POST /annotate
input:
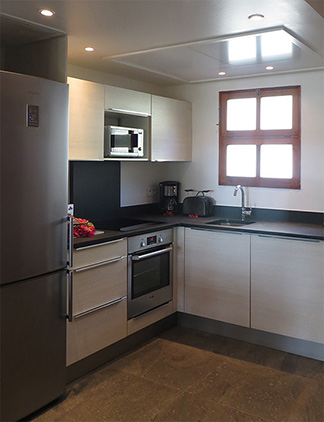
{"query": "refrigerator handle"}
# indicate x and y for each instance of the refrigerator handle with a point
(70, 296)
(70, 241)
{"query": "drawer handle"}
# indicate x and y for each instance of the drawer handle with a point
(100, 264)
(299, 239)
(100, 244)
(98, 308)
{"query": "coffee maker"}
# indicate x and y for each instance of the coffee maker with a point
(169, 197)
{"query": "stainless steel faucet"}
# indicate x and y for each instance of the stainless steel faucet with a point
(245, 210)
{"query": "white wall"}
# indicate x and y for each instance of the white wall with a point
(202, 172)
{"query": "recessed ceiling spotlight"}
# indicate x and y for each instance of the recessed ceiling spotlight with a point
(46, 12)
(269, 67)
(221, 73)
(256, 17)
(89, 49)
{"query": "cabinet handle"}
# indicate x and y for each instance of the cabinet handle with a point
(136, 113)
(217, 231)
(101, 244)
(298, 239)
(98, 308)
(70, 296)
(70, 241)
(100, 264)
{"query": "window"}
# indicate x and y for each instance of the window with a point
(259, 139)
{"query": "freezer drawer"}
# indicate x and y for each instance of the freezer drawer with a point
(33, 344)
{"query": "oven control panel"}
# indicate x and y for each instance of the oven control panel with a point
(149, 240)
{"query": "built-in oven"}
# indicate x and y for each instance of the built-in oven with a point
(149, 283)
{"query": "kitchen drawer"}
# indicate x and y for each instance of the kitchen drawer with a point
(98, 284)
(142, 321)
(94, 331)
(97, 253)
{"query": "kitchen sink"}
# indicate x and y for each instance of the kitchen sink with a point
(230, 222)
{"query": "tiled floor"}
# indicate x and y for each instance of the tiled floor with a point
(187, 375)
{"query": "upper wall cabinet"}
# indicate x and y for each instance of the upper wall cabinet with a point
(126, 100)
(86, 120)
(171, 129)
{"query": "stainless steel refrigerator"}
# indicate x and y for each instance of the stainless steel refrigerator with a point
(34, 166)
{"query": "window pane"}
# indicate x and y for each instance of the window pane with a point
(241, 160)
(241, 114)
(276, 161)
(276, 112)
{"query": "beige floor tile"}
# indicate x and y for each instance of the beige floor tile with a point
(120, 397)
(193, 407)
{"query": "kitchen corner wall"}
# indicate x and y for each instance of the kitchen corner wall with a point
(202, 172)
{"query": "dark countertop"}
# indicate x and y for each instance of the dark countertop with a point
(288, 229)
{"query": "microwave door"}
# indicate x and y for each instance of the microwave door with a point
(123, 142)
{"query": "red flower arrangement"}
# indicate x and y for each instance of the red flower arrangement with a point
(83, 228)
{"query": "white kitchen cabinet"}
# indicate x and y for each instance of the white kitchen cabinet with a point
(127, 100)
(86, 120)
(97, 299)
(171, 135)
(217, 275)
(287, 286)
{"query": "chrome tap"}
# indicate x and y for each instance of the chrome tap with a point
(245, 210)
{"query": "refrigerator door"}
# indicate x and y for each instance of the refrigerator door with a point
(33, 329)
(34, 174)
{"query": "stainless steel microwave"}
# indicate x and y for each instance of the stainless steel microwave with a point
(124, 142)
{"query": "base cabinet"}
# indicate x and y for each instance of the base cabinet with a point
(217, 275)
(287, 287)
(97, 299)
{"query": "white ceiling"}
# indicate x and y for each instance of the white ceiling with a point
(175, 41)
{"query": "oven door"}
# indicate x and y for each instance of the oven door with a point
(149, 280)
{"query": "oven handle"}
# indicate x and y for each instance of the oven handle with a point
(148, 255)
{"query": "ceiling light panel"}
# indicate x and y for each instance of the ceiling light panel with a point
(236, 56)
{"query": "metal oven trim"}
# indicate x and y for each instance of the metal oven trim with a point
(149, 301)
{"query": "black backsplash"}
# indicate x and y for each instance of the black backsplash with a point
(95, 189)
(95, 193)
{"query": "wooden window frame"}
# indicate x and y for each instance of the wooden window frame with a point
(260, 137)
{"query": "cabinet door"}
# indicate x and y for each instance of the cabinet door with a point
(86, 120)
(126, 100)
(171, 129)
(217, 275)
(287, 287)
